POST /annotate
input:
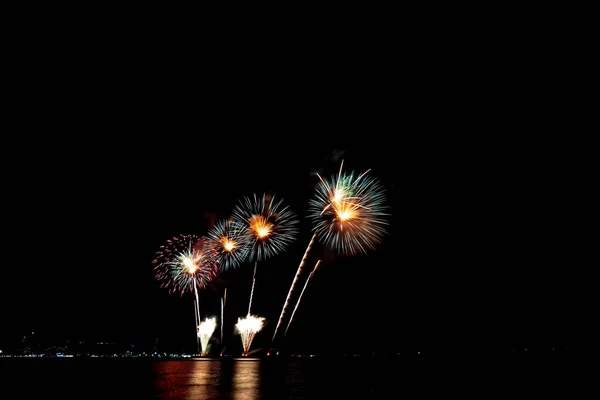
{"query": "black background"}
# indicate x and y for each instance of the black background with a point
(110, 151)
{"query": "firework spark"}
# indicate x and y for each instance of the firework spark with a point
(185, 263)
(231, 242)
(349, 212)
(293, 285)
(223, 300)
(300, 298)
(248, 327)
(205, 332)
(271, 226)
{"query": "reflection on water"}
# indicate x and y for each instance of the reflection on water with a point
(286, 378)
(238, 379)
(246, 380)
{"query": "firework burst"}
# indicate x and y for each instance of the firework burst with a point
(231, 242)
(271, 226)
(205, 332)
(185, 263)
(348, 212)
(248, 327)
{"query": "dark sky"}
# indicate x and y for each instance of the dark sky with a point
(105, 164)
(475, 252)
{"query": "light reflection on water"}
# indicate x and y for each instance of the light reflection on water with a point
(239, 379)
(246, 380)
(285, 378)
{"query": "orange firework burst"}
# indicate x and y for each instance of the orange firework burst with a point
(349, 215)
(231, 243)
(271, 226)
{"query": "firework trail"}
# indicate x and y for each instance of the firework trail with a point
(300, 298)
(348, 212)
(223, 299)
(248, 327)
(252, 290)
(287, 299)
(186, 263)
(197, 318)
(205, 331)
(271, 226)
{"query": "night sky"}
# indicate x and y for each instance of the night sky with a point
(472, 254)
(478, 251)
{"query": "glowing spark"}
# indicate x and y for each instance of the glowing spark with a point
(228, 244)
(260, 226)
(248, 328)
(205, 332)
(188, 263)
(338, 195)
(345, 210)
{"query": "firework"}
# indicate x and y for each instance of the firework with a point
(186, 263)
(231, 243)
(348, 212)
(248, 327)
(293, 285)
(300, 298)
(205, 332)
(271, 226)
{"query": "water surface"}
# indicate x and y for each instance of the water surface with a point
(284, 378)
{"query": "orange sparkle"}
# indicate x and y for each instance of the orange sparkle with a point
(345, 210)
(228, 244)
(260, 226)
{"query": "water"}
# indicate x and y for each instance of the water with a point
(283, 378)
